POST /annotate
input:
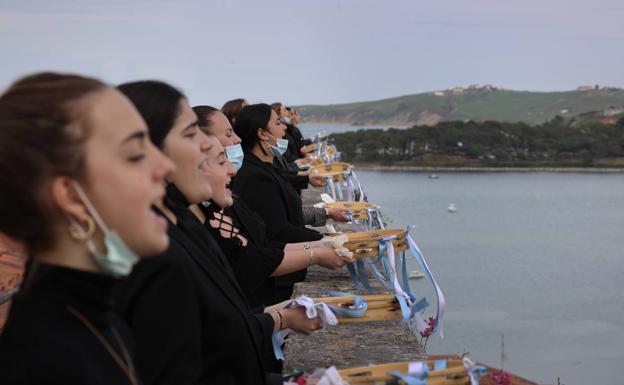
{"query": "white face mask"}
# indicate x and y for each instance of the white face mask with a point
(282, 145)
(235, 155)
(118, 259)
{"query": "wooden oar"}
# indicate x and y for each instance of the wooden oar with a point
(337, 170)
(359, 210)
(366, 243)
(382, 307)
(350, 299)
(454, 374)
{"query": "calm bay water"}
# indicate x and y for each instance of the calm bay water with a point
(534, 256)
(311, 129)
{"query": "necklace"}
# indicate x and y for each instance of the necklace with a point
(126, 363)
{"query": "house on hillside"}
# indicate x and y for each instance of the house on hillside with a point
(612, 110)
(584, 88)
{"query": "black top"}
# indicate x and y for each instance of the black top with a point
(45, 343)
(254, 263)
(191, 321)
(290, 172)
(295, 142)
(264, 190)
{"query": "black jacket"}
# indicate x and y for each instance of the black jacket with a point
(44, 343)
(264, 190)
(262, 187)
(295, 142)
(290, 173)
(191, 321)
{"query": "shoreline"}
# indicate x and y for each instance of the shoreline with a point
(597, 170)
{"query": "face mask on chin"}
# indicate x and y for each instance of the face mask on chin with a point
(118, 259)
(282, 145)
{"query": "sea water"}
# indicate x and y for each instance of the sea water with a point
(538, 257)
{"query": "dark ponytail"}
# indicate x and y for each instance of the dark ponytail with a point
(248, 120)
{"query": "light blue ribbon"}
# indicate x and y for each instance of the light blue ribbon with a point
(475, 372)
(439, 364)
(409, 306)
(362, 197)
(438, 291)
(277, 346)
(360, 306)
(412, 378)
(409, 380)
(353, 275)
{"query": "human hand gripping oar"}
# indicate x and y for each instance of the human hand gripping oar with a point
(301, 308)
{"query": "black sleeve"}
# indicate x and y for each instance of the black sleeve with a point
(167, 326)
(292, 152)
(265, 324)
(253, 265)
(276, 244)
(263, 195)
(299, 182)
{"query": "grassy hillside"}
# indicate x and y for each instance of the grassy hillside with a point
(479, 105)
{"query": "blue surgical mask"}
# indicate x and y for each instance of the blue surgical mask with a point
(282, 145)
(118, 259)
(235, 155)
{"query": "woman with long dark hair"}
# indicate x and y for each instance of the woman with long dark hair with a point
(265, 189)
(78, 177)
(191, 319)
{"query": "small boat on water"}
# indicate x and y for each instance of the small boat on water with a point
(434, 176)
(415, 274)
(452, 208)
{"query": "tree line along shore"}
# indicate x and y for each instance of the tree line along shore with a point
(489, 145)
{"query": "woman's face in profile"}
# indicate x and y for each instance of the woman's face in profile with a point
(124, 172)
(275, 128)
(187, 146)
(222, 129)
(220, 172)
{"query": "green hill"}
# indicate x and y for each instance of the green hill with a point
(479, 104)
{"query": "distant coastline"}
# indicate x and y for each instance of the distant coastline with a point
(371, 167)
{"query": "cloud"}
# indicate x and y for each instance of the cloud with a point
(307, 52)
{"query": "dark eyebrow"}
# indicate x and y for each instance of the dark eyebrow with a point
(138, 134)
(195, 123)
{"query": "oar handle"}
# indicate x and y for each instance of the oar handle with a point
(350, 299)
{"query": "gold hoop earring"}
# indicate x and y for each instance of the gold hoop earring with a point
(81, 234)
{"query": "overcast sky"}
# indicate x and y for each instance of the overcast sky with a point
(318, 51)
